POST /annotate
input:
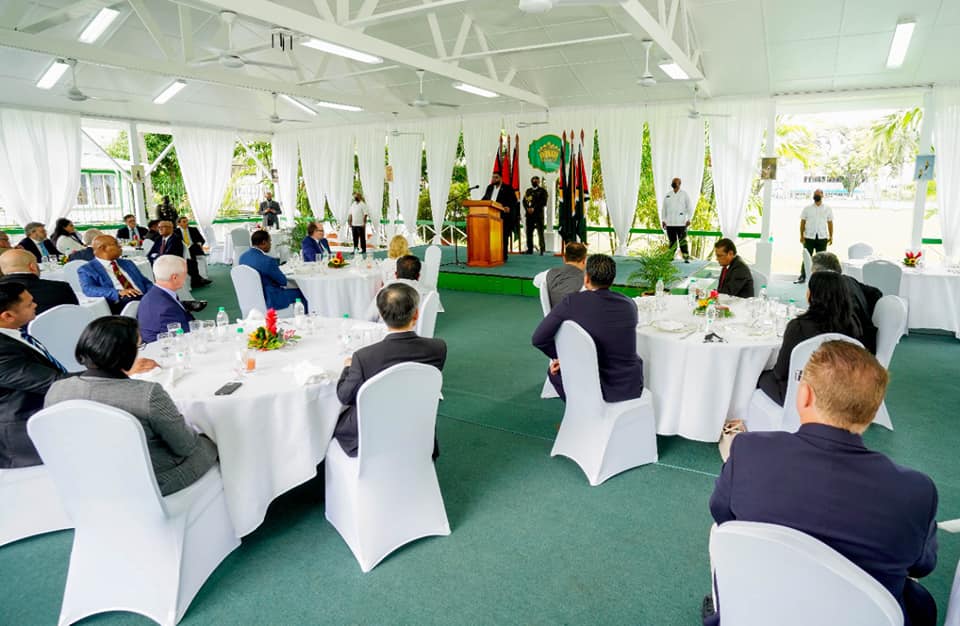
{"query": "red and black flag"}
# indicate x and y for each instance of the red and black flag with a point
(498, 160)
(505, 172)
(515, 168)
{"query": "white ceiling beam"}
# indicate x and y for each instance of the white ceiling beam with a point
(297, 66)
(62, 15)
(401, 13)
(461, 42)
(311, 26)
(367, 9)
(650, 27)
(120, 168)
(159, 158)
(482, 40)
(687, 44)
(186, 32)
(333, 77)
(343, 11)
(672, 19)
(14, 12)
(437, 35)
(323, 9)
(662, 12)
(148, 21)
(539, 46)
(510, 75)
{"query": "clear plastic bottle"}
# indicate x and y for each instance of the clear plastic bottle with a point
(791, 309)
(223, 322)
(692, 292)
(241, 338)
(299, 313)
(763, 293)
(659, 290)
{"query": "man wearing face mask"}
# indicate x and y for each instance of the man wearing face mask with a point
(534, 202)
(816, 228)
(676, 217)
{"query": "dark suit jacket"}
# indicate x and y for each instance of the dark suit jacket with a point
(81, 255)
(537, 202)
(125, 233)
(824, 482)
(310, 248)
(96, 283)
(367, 362)
(25, 377)
(864, 299)
(738, 280)
(610, 319)
(196, 239)
(157, 309)
(561, 281)
(46, 293)
(272, 205)
(271, 278)
(173, 245)
(508, 198)
(29, 245)
(167, 213)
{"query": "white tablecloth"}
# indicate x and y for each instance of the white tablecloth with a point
(272, 432)
(697, 386)
(335, 292)
(932, 294)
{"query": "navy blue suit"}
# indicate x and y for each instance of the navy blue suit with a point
(610, 319)
(271, 278)
(172, 246)
(96, 283)
(824, 482)
(310, 248)
(157, 309)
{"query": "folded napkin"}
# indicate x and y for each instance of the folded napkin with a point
(306, 373)
(166, 376)
(254, 316)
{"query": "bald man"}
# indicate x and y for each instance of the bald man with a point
(20, 266)
(108, 276)
(4, 241)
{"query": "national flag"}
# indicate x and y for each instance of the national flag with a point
(498, 161)
(507, 175)
(584, 183)
(515, 168)
(573, 178)
(562, 196)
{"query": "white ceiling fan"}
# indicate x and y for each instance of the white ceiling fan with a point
(529, 123)
(647, 80)
(276, 119)
(542, 6)
(422, 102)
(694, 113)
(234, 59)
(74, 93)
(395, 132)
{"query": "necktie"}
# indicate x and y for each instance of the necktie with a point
(186, 236)
(163, 245)
(33, 341)
(723, 276)
(124, 283)
(43, 249)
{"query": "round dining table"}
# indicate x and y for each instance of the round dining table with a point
(337, 292)
(697, 385)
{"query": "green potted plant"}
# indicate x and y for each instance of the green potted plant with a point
(656, 262)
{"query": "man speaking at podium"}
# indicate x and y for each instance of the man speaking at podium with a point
(504, 194)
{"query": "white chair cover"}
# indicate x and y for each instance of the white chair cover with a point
(249, 290)
(148, 246)
(953, 606)
(388, 495)
(807, 263)
(860, 250)
(764, 413)
(29, 504)
(890, 318)
(70, 275)
(431, 268)
(133, 549)
(883, 275)
(130, 309)
(759, 280)
(427, 320)
(540, 282)
(603, 438)
(240, 237)
(767, 574)
(58, 329)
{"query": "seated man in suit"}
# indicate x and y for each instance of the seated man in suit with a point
(108, 276)
(193, 242)
(565, 279)
(36, 242)
(398, 306)
(161, 306)
(863, 297)
(314, 244)
(735, 277)
(153, 232)
(167, 242)
(823, 481)
(274, 283)
(610, 318)
(20, 266)
(132, 232)
(408, 273)
(86, 254)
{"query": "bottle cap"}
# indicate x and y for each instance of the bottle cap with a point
(298, 301)
(220, 308)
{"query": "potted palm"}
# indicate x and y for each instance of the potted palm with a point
(656, 263)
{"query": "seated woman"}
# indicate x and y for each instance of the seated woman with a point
(829, 311)
(65, 237)
(398, 248)
(108, 349)
(314, 244)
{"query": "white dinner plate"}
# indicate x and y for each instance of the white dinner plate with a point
(670, 326)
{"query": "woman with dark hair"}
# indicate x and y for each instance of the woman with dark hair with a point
(108, 349)
(66, 238)
(830, 311)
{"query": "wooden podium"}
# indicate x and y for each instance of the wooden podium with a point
(484, 233)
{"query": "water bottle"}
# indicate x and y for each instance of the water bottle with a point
(710, 315)
(791, 309)
(299, 313)
(692, 292)
(223, 322)
(659, 291)
(241, 338)
(763, 293)
(659, 288)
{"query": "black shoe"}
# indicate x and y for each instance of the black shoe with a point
(200, 282)
(194, 306)
(799, 281)
(686, 260)
(541, 253)
(706, 609)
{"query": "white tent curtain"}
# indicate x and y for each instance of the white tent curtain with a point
(371, 144)
(206, 159)
(39, 165)
(620, 133)
(406, 152)
(677, 148)
(481, 134)
(735, 153)
(440, 138)
(327, 159)
(946, 141)
(286, 158)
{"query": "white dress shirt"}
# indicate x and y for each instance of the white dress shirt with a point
(816, 218)
(107, 265)
(14, 333)
(676, 208)
(67, 244)
(357, 211)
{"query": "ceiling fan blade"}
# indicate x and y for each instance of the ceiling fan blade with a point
(444, 104)
(251, 50)
(295, 121)
(107, 99)
(276, 66)
(205, 60)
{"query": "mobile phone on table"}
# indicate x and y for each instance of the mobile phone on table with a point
(227, 389)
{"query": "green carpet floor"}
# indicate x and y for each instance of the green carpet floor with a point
(531, 542)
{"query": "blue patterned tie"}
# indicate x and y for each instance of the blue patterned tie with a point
(33, 341)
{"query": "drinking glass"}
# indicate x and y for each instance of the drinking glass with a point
(174, 328)
(166, 342)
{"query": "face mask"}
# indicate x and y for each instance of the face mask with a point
(675, 187)
(535, 185)
(817, 197)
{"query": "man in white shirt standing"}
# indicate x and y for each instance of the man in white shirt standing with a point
(677, 214)
(816, 228)
(357, 219)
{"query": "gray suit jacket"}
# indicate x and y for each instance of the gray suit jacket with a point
(179, 455)
(562, 281)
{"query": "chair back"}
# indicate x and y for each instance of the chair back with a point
(759, 280)
(249, 289)
(427, 319)
(540, 282)
(240, 238)
(798, 360)
(431, 268)
(71, 276)
(883, 275)
(890, 318)
(807, 263)
(394, 434)
(58, 329)
(769, 574)
(578, 362)
(97, 456)
(860, 250)
(130, 309)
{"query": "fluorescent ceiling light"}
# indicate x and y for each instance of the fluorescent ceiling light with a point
(339, 107)
(350, 53)
(900, 43)
(172, 90)
(673, 70)
(298, 104)
(477, 91)
(99, 24)
(53, 74)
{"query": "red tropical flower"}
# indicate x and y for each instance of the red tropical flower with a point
(271, 321)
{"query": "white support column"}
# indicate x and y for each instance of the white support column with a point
(920, 199)
(138, 204)
(765, 245)
(148, 170)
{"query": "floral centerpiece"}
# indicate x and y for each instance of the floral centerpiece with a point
(337, 261)
(712, 298)
(911, 259)
(269, 337)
